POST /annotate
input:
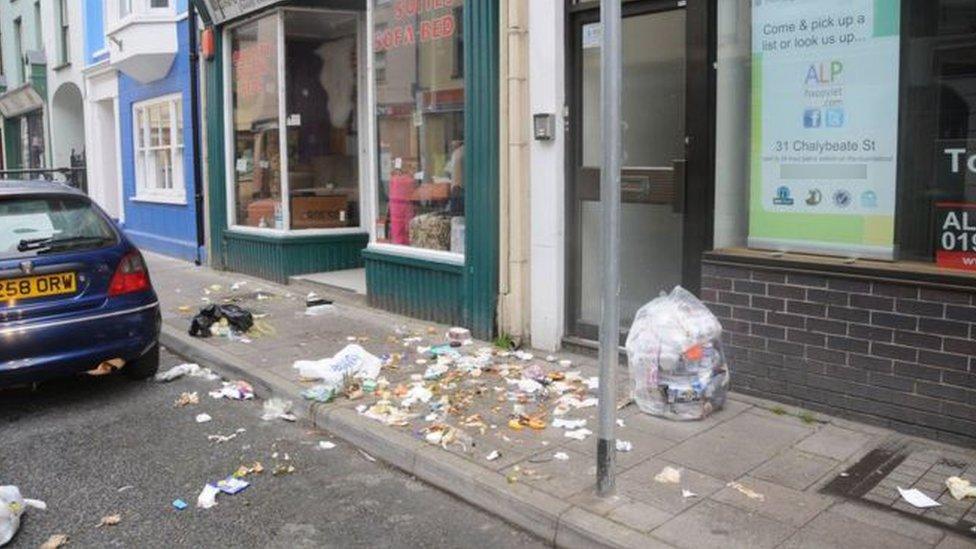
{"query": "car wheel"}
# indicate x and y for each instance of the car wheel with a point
(145, 366)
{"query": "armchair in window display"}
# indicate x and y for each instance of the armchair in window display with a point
(677, 367)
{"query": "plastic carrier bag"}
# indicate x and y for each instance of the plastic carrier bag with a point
(677, 368)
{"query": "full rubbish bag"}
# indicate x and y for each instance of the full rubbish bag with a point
(12, 505)
(674, 352)
(239, 319)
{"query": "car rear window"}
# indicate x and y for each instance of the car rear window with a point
(32, 226)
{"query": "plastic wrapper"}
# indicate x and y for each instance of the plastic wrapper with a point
(674, 351)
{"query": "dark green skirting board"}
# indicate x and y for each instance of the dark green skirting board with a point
(429, 290)
(279, 257)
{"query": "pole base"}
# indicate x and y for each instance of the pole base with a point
(605, 458)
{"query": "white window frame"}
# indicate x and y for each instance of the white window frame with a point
(403, 250)
(150, 191)
(365, 200)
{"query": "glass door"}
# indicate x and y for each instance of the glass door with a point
(653, 178)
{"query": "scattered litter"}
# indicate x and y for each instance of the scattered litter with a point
(213, 317)
(125, 488)
(107, 367)
(179, 504)
(351, 361)
(323, 393)
(459, 335)
(208, 497)
(620, 423)
(203, 418)
(688, 494)
(578, 434)
(283, 469)
(550, 358)
(495, 454)
(277, 408)
(232, 485)
(192, 370)
(668, 475)
(565, 363)
(624, 445)
(569, 424)
(747, 492)
(367, 456)
(561, 456)
(12, 506)
(315, 306)
(109, 520)
(187, 399)
(960, 488)
(326, 445)
(218, 438)
(845, 474)
(55, 541)
(234, 390)
(245, 470)
(237, 285)
(917, 498)
(435, 371)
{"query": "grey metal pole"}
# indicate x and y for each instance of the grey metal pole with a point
(610, 69)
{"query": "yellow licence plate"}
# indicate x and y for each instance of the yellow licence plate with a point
(14, 289)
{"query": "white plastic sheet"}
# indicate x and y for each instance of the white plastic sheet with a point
(351, 361)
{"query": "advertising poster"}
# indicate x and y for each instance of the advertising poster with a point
(824, 126)
(955, 246)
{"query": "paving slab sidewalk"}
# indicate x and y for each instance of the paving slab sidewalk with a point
(755, 467)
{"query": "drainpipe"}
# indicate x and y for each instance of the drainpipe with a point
(195, 121)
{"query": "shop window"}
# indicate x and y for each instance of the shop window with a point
(256, 166)
(158, 149)
(307, 178)
(321, 117)
(420, 124)
(862, 120)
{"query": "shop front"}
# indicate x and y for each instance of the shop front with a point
(807, 167)
(343, 144)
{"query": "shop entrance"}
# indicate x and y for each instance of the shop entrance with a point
(653, 181)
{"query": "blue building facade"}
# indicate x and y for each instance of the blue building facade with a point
(140, 49)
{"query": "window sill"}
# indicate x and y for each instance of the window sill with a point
(64, 65)
(285, 233)
(425, 254)
(175, 200)
(903, 271)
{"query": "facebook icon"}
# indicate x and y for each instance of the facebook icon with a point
(811, 118)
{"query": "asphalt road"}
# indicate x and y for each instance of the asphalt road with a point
(92, 447)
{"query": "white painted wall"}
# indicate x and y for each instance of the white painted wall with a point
(547, 85)
(101, 138)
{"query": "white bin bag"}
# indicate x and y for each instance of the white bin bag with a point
(677, 368)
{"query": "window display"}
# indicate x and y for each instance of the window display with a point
(254, 105)
(310, 178)
(417, 50)
(860, 119)
(323, 137)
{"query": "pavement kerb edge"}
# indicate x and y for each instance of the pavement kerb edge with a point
(546, 516)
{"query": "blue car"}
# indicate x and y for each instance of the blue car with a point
(75, 294)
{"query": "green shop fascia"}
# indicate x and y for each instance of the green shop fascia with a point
(358, 133)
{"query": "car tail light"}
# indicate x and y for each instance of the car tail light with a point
(130, 276)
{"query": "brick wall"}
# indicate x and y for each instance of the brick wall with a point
(894, 354)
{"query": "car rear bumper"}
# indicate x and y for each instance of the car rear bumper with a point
(45, 349)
